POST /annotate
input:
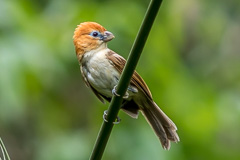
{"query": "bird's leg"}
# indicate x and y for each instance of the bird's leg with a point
(105, 116)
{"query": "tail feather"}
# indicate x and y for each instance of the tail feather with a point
(163, 126)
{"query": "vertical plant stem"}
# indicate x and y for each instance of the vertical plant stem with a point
(125, 78)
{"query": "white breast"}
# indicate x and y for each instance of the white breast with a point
(99, 72)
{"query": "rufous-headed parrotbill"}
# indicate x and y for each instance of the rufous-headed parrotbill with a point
(101, 69)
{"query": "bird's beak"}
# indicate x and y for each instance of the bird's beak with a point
(107, 36)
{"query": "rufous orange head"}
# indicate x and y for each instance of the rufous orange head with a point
(90, 36)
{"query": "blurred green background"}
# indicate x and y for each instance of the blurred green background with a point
(191, 63)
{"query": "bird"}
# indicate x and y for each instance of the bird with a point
(101, 69)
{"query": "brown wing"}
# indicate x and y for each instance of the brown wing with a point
(119, 62)
(99, 96)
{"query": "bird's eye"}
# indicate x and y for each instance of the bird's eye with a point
(95, 34)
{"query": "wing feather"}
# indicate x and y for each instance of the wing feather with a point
(137, 81)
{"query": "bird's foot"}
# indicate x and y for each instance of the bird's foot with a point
(118, 120)
(116, 94)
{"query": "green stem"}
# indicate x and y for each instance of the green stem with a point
(4, 150)
(125, 78)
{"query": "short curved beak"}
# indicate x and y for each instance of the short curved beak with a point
(107, 36)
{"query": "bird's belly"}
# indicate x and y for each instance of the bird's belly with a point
(102, 76)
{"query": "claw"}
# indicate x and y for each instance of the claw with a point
(118, 120)
(126, 95)
(114, 91)
(105, 116)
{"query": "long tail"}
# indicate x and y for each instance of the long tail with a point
(163, 126)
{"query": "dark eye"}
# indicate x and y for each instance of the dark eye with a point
(95, 34)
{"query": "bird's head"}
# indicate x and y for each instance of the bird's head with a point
(90, 36)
